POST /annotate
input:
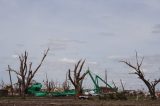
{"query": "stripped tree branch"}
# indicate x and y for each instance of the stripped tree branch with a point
(138, 71)
(77, 78)
(25, 74)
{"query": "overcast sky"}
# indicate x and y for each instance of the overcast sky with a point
(100, 31)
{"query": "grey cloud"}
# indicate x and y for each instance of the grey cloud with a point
(19, 45)
(89, 29)
(149, 59)
(153, 59)
(57, 44)
(67, 60)
(106, 34)
(157, 26)
(76, 41)
(62, 44)
(156, 29)
(150, 62)
(105, 16)
(116, 57)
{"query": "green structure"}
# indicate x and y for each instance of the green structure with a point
(96, 80)
(35, 89)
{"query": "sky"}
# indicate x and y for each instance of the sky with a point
(101, 31)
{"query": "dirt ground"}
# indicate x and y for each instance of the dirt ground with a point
(73, 102)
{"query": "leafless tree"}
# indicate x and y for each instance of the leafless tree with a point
(47, 84)
(2, 84)
(53, 85)
(50, 85)
(65, 85)
(138, 71)
(25, 74)
(77, 78)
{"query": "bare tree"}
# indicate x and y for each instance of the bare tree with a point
(2, 84)
(138, 71)
(47, 84)
(77, 79)
(50, 85)
(65, 85)
(25, 74)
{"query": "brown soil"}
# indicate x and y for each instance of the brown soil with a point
(65, 101)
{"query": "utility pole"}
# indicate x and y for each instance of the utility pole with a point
(114, 84)
(106, 75)
(122, 85)
(10, 79)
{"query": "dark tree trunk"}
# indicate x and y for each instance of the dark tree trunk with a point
(25, 74)
(138, 71)
(77, 79)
